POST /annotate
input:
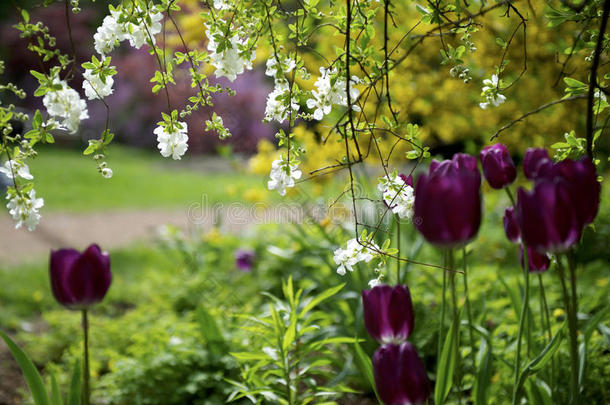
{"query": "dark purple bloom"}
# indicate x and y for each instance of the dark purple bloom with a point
(79, 280)
(447, 208)
(511, 226)
(536, 162)
(244, 259)
(547, 217)
(581, 178)
(538, 262)
(498, 167)
(388, 313)
(400, 376)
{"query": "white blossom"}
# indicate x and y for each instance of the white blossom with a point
(328, 94)
(107, 172)
(109, 34)
(397, 194)
(271, 65)
(23, 207)
(137, 34)
(173, 143)
(18, 168)
(491, 92)
(353, 254)
(276, 108)
(233, 60)
(283, 175)
(94, 87)
(66, 106)
(222, 4)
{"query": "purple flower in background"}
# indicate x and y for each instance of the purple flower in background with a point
(79, 280)
(536, 162)
(388, 313)
(400, 376)
(448, 201)
(244, 259)
(547, 217)
(538, 262)
(511, 226)
(498, 167)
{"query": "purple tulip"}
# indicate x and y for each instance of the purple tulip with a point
(498, 167)
(79, 280)
(447, 208)
(547, 217)
(585, 190)
(244, 259)
(400, 376)
(536, 162)
(511, 226)
(388, 313)
(538, 262)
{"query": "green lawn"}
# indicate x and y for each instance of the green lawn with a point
(69, 181)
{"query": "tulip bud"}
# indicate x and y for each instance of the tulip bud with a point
(79, 280)
(538, 262)
(536, 162)
(498, 167)
(447, 209)
(547, 217)
(511, 226)
(407, 179)
(400, 376)
(585, 190)
(388, 313)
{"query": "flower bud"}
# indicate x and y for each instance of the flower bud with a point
(498, 167)
(388, 313)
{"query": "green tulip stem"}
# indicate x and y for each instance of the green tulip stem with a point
(443, 303)
(398, 276)
(86, 370)
(456, 330)
(468, 311)
(522, 318)
(573, 326)
(545, 319)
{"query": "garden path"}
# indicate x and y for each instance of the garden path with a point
(109, 229)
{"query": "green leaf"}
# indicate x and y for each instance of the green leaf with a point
(25, 15)
(319, 298)
(482, 381)
(32, 377)
(208, 327)
(446, 364)
(55, 395)
(538, 392)
(74, 395)
(365, 366)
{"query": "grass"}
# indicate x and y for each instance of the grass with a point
(69, 181)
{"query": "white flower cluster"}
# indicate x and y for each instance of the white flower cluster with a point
(66, 106)
(173, 143)
(491, 92)
(222, 4)
(283, 175)
(328, 93)
(353, 254)
(233, 59)
(112, 32)
(271, 65)
(398, 195)
(24, 208)
(14, 168)
(276, 108)
(94, 86)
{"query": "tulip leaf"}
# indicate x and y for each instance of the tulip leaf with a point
(482, 381)
(588, 330)
(74, 395)
(542, 359)
(31, 374)
(446, 364)
(538, 392)
(365, 365)
(55, 395)
(208, 327)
